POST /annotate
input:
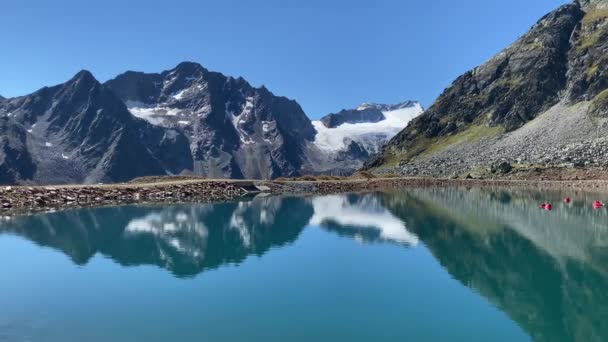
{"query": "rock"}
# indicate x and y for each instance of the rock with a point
(263, 188)
(501, 167)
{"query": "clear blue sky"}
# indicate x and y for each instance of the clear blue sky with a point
(326, 54)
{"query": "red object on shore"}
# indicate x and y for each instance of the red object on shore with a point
(548, 206)
(542, 205)
(597, 205)
(567, 200)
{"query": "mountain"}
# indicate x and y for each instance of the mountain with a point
(541, 101)
(240, 131)
(80, 132)
(233, 129)
(344, 140)
(187, 120)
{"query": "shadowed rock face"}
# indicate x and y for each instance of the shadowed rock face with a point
(239, 131)
(559, 63)
(15, 161)
(234, 130)
(352, 116)
(80, 132)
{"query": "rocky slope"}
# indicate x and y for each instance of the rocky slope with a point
(540, 102)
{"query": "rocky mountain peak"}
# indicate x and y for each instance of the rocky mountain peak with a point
(366, 112)
(537, 102)
(81, 132)
(186, 72)
(229, 123)
(83, 78)
(361, 114)
(78, 91)
(189, 67)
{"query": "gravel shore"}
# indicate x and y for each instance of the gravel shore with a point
(24, 199)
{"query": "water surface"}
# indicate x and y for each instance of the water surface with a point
(415, 264)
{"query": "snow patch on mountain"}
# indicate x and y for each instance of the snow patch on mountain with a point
(179, 95)
(154, 114)
(368, 134)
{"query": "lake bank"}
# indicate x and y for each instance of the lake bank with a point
(24, 199)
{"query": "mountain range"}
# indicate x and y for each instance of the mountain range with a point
(541, 102)
(187, 120)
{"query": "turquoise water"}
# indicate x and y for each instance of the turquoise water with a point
(416, 265)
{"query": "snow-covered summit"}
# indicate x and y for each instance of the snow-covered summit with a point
(370, 134)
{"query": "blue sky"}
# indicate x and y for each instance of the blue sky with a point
(326, 54)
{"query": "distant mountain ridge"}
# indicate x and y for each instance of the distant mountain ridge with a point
(186, 120)
(352, 136)
(364, 113)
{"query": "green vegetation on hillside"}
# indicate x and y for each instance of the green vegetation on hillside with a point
(599, 105)
(595, 15)
(592, 18)
(425, 146)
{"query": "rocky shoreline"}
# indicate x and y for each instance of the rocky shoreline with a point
(23, 199)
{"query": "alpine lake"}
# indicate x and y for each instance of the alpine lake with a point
(415, 264)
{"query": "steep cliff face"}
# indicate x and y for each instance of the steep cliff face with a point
(234, 130)
(79, 132)
(239, 131)
(516, 106)
(588, 63)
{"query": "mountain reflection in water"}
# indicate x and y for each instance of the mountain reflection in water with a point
(548, 271)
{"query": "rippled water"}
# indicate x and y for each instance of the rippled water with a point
(414, 264)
